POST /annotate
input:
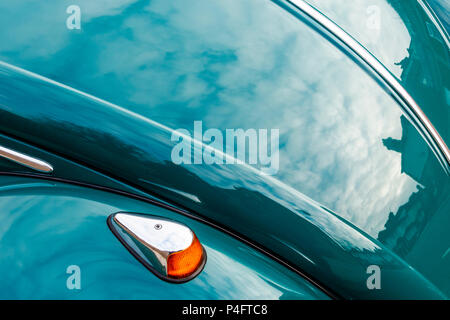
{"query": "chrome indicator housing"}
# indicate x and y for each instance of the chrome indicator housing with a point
(167, 248)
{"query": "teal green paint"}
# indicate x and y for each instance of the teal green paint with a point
(357, 184)
(408, 43)
(49, 226)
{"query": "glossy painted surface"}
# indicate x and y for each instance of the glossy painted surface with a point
(47, 227)
(401, 35)
(344, 143)
(441, 8)
(25, 160)
(64, 168)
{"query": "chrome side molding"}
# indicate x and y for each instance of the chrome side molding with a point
(25, 160)
(167, 248)
(409, 105)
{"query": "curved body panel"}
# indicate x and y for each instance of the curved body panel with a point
(407, 39)
(356, 185)
(51, 226)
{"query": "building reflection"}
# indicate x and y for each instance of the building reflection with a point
(425, 68)
(418, 229)
(404, 227)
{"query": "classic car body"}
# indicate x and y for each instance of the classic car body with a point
(363, 175)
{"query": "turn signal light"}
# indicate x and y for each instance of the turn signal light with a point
(168, 248)
(184, 263)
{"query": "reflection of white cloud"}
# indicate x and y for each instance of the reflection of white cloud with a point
(332, 126)
(100, 8)
(241, 277)
(34, 36)
(241, 64)
(38, 28)
(389, 43)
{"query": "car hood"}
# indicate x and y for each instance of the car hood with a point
(350, 161)
(133, 148)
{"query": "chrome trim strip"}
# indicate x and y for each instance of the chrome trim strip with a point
(25, 160)
(436, 140)
(437, 23)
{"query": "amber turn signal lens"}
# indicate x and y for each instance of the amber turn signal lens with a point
(183, 263)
